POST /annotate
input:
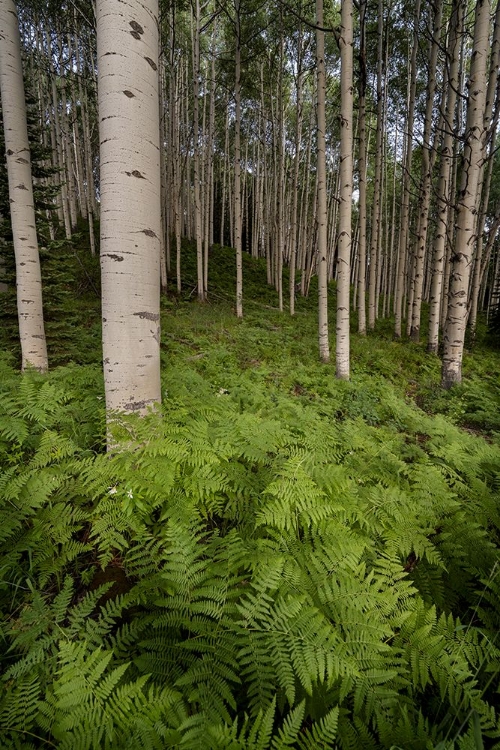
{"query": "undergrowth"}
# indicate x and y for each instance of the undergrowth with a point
(283, 561)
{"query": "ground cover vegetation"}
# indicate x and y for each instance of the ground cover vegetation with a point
(283, 559)
(210, 537)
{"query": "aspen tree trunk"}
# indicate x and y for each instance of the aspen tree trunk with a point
(87, 152)
(392, 259)
(377, 192)
(77, 155)
(58, 142)
(76, 142)
(209, 168)
(280, 191)
(322, 253)
(425, 186)
(127, 52)
(305, 240)
(196, 150)
(405, 199)
(362, 171)
(237, 166)
(345, 207)
(165, 227)
(333, 192)
(445, 175)
(224, 179)
(175, 161)
(491, 127)
(478, 260)
(454, 333)
(22, 209)
(296, 168)
(67, 149)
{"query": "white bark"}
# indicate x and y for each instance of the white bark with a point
(414, 311)
(405, 196)
(361, 285)
(467, 201)
(22, 210)
(237, 167)
(127, 52)
(345, 209)
(445, 175)
(322, 259)
(377, 183)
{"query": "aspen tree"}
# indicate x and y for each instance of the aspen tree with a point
(306, 240)
(67, 150)
(345, 172)
(237, 163)
(87, 148)
(377, 183)
(58, 140)
(322, 251)
(165, 226)
(196, 25)
(22, 210)
(445, 176)
(209, 166)
(174, 161)
(296, 167)
(127, 51)
(414, 310)
(454, 333)
(490, 124)
(224, 179)
(404, 226)
(362, 170)
(280, 169)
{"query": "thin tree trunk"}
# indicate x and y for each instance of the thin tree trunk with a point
(22, 209)
(454, 333)
(377, 184)
(445, 174)
(322, 254)
(345, 207)
(362, 171)
(237, 166)
(425, 187)
(405, 200)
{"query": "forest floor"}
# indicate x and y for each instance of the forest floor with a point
(280, 353)
(318, 555)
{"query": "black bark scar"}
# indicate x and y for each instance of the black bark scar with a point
(147, 316)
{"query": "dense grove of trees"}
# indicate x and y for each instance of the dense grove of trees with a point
(357, 144)
(209, 539)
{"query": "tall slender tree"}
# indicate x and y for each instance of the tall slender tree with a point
(127, 51)
(362, 170)
(237, 162)
(468, 200)
(322, 256)
(345, 194)
(445, 175)
(22, 210)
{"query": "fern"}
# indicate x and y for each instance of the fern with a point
(286, 581)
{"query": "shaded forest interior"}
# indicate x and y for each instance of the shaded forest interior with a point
(249, 375)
